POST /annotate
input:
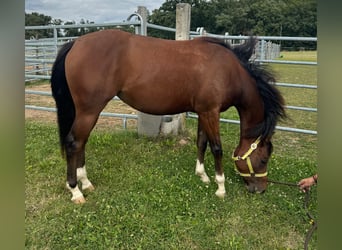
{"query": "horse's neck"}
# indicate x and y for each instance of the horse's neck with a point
(251, 113)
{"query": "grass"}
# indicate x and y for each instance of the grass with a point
(148, 197)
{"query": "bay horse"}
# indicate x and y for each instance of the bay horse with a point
(163, 77)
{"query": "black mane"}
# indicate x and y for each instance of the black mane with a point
(273, 100)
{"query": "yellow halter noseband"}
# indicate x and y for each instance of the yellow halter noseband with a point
(248, 160)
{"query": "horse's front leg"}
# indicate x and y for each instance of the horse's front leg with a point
(210, 124)
(82, 177)
(202, 142)
(216, 150)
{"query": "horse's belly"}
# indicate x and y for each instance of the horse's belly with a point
(156, 104)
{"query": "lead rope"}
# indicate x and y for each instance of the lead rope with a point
(306, 207)
(312, 221)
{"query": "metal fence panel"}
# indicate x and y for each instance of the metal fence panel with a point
(40, 55)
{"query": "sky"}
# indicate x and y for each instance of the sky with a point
(98, 11)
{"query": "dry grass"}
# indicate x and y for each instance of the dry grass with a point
(50, 117)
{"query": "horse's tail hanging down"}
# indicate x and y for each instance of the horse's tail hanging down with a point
(62, 96)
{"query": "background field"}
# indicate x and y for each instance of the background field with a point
(147, 196)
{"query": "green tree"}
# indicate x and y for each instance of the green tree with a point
(73, 32)
(165, 16)
(232, 17)
(201, 16)
(258, 17)
(301, 18)
(36, 19)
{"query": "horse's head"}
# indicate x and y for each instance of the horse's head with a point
(251, 163)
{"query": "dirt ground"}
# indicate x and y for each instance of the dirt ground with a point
(48, 101)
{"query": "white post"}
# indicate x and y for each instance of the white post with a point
(152, 125)
(142, 11)
(148, 125)
(183, 17)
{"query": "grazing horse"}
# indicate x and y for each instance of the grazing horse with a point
(160, 77)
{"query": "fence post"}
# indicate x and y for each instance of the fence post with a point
(183, 16)
(153, 125)
(55, 40)
(176, 123)
(142, 11)
(148, 125)
(262, 49)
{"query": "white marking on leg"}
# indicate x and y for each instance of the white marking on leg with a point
(200, 171)
(77, 196)
(82, 176)
(221, 191)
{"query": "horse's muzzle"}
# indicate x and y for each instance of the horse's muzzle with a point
(256, 188)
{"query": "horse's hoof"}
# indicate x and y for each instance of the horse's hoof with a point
(89, 188)
(79, 200)
(205, 179)
(220, 194)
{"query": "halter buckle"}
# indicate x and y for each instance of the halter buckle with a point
(254, 146)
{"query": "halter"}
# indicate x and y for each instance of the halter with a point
(248, 160)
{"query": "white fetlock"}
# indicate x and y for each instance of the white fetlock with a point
(221, 191)
(77, 196)
(200, 171)
(204, 177)
(86, 185)
(82, 176)
(221, 194)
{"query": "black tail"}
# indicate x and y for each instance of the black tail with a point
(61, 94)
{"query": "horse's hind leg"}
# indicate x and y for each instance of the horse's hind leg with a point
(202, 142)
(75, 146)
